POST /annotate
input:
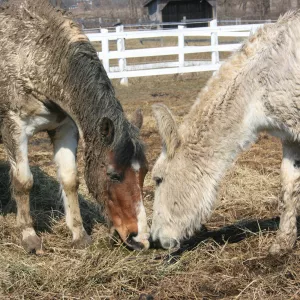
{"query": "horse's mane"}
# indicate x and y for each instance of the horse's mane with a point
(25, 10)
(85, 69)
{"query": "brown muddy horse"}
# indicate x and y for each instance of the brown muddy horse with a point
(52, 80)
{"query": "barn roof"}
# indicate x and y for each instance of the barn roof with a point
(147, 2)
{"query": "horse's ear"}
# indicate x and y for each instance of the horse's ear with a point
(107, 130)
(137, 118)
(167, 128)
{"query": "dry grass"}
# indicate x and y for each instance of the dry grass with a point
(232, 271)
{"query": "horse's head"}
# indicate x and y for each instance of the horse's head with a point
(124, 173)
(178, 208)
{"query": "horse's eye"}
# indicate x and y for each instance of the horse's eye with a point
(114, 177)
(158, 180)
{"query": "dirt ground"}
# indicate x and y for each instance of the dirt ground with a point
(241, 270)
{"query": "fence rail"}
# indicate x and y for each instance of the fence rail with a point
(181, 65)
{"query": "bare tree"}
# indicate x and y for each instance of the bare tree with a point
(86, 6)
(128, 11)
(97, 3)
(56, 3)
(68, 3)
(260, 8)
(249, 8)
(132, 9)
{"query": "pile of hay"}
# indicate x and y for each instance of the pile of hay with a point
(242, 270)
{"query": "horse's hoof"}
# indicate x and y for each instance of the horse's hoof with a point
(275, 249)
(82, 242)
(33, 244)
(146, 297)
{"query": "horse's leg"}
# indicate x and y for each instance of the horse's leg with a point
(290, 198)
(65, 141)
(15, 141)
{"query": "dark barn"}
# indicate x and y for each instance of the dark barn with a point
(176, 10)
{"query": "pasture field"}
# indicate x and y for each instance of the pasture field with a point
(241, 270)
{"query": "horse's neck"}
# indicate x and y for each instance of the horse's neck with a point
(224, 122)
(87, 93)
(88, 113)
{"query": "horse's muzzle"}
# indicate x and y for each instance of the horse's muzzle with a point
(130, 241)
(132, 244)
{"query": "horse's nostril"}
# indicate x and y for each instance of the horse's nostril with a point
(132, 235)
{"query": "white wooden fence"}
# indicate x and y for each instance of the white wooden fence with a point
(124, 70)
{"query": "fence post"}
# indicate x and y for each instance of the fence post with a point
(214, 43)
(121, 48)
(105, 50)
(181, 46)
(238, 21)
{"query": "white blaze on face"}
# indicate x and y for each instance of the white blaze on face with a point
(143, 229)
(136, 166)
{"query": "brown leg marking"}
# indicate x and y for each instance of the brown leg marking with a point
(15, 141)
(30, 241)
(73, 217)
(22, 182)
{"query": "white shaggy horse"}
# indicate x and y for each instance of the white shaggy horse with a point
(257, 89)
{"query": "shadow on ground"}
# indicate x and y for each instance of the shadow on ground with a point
(45, 201)
(228, 234)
